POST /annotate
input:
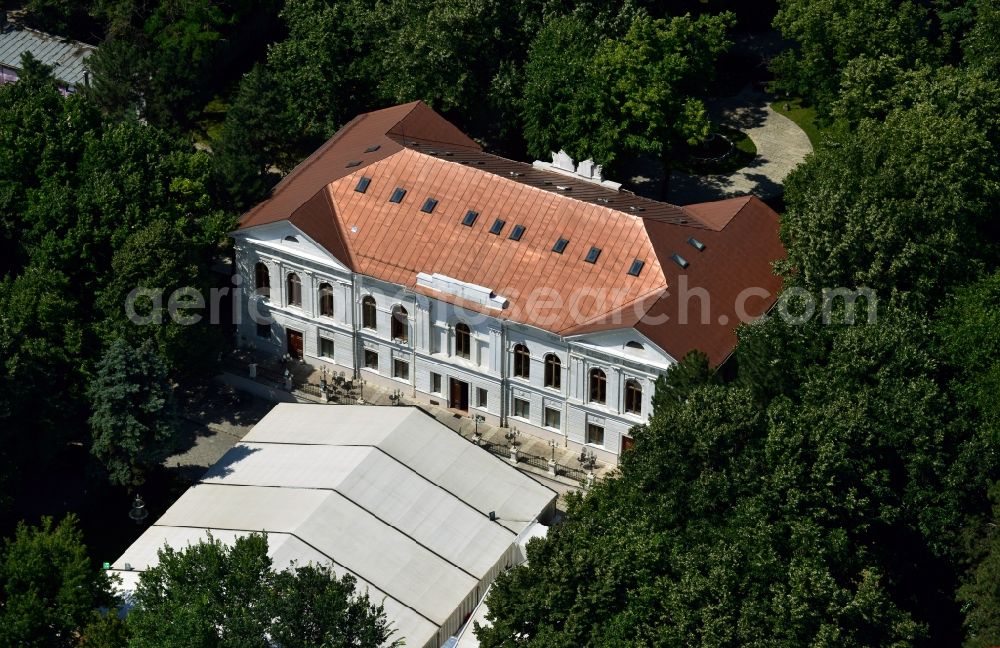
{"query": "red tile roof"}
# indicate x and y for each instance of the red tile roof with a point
(420, 151)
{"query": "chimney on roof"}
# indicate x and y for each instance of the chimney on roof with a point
(586, 170)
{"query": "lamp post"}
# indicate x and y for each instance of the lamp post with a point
(552, 461)
(138, 512)
(478, 418)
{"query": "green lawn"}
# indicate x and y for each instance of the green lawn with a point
(208, 127)
(804, 116)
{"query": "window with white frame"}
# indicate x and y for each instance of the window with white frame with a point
(325, 347)
(482, 397)
(595, 434)
(436, 383)
(552, 418)
(522, 408)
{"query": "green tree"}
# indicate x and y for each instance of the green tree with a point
(673, 388)
(40, 344)
(980, 593)
(156, 272)
(217, 596)
(315, 608)
(134, 424)
(48, 587)
(614, 97)
(901, 206)
(830, 33)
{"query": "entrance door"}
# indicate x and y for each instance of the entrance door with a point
(294, 343)
(459, 395)
(627, 443)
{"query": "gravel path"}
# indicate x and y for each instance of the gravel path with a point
(781, 146)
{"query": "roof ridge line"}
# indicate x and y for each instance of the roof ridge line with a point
(375, 447)
(399, 531)
(665, 286)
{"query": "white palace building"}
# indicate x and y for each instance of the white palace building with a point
(540, 296)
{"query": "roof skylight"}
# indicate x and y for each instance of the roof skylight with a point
(397, 195)
(636, 267)
(497, 226)
(362, 185)
(679, 260)
(470, 218)
(696, 244)
(560, 246)
(517, 233)
(429, 206)
(593, 254)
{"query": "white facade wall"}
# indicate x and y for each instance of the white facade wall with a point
(430, 345)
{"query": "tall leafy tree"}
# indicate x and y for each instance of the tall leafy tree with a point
(900, 206)
(615, 96)
(828, 34)
(134, 424)
(213, 595)
(49, 589)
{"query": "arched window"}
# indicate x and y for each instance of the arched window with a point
(294, 290)
(399, 325)
(632, 344)
(553, 371)
(463, 340)
(522, 361)
(326, 299)
(368, 312)
(262, 279)
(598, 386)
(633, 397)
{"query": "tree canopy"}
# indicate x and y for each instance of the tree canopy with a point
(49, 588)
(606, 97)
(214, 595)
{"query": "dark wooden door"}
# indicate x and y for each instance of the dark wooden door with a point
(627, 443)
(459, 396)
(294, 344)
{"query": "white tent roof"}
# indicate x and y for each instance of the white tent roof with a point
(387, 494)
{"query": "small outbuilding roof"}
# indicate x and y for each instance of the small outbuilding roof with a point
(66, 56)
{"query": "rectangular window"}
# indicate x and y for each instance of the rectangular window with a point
(595, 434)
(517, 233)
(326, 347)
(560, 246)
(593, 254)
(429, 205)
(522, 408)
(401, 369)
(482, 397)
(436, 383)
(552, 418)
(264, 331)
(362, 185)
(397, 195)
(470, 218)
(497, 226)
(371, 359)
